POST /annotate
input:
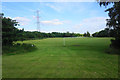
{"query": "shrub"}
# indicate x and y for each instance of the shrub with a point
(18, 48)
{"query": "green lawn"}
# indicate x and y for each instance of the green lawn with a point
(80, 58)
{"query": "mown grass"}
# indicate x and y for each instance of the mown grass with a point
(80, 58)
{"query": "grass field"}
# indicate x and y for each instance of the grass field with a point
(80, 58)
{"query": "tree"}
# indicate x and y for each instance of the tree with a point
(85, 35)
(9, 32)
(68, 34)
(95, 34)
(104, 33)
(1, 15)
(88, 34)
(114, 21)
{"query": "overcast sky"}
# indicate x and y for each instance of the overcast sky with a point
(76, 17)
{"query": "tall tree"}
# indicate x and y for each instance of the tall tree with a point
(9, 32)
(88, 34)
(114, 21)
(85, 35)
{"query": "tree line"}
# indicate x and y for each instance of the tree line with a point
(10, 33)
(36, 34)
(104, 33)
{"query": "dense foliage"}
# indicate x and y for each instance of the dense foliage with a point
(9, 32)
(86, 34)
(18, 48)
(114, 21)
(104, 33)
(39, 35)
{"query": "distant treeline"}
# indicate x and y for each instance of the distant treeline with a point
(36, 34)
(104, 33)
(10, 33)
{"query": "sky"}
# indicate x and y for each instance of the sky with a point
(77, 17)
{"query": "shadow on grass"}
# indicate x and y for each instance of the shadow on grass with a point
(109, 50)
(18, 48)
(114, 51)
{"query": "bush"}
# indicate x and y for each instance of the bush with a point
(18, 48)
(115, 43)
